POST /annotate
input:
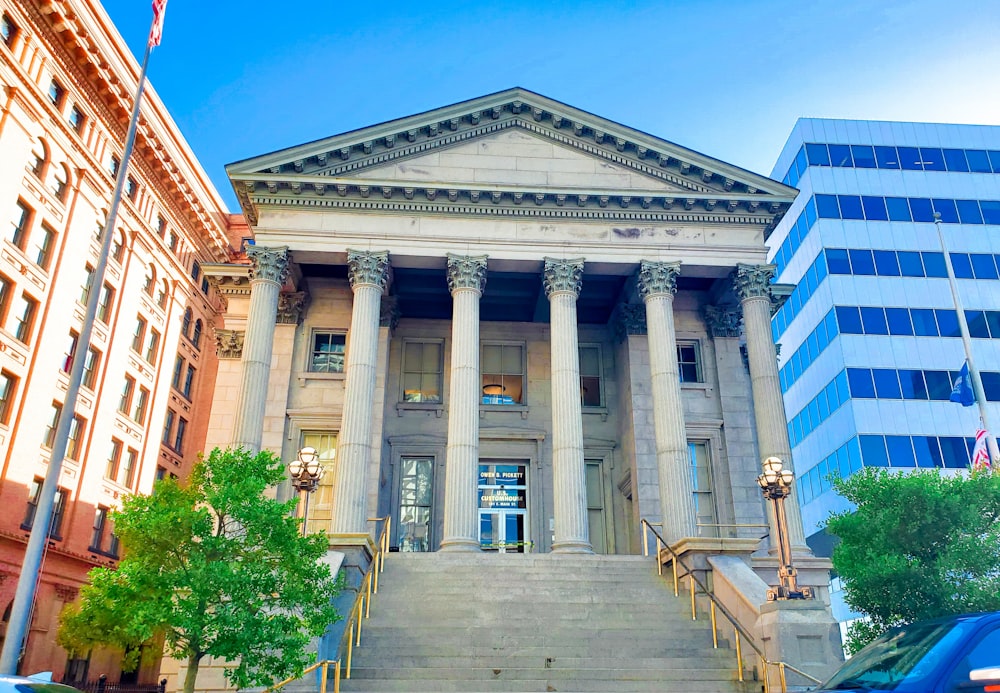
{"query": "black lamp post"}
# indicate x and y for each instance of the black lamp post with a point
(776, 483)
(306, 471)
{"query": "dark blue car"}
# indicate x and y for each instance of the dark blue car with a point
(954, 654)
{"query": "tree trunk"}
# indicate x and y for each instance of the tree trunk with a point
(192, 672)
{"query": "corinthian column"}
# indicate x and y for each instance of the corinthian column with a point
(466, 281)
(368, 273)
(657, 286)
(562, 280)
(267, 274)
(752, 283)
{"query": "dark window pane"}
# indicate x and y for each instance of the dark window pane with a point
(886, 157)
(962, 265)
(991, 385)
(993, 320)
(850, 207)
(800, 164)
(954, 452)
(928, 451)
(817, 154)
(983, 265)
(900, 451)
(885, 263)
(840, 155)
(910, 264)
(860, 380)
(909, 158)
(954, 159)
(873, 451)
(920, 208)
(978, 160)
(932, 159)
(827, 207)
(874, 208)
(862, 262)
(991, 211)
(899, 321)
(864, 155)
(946, 208)
(968, 212)
(934, 264)
(898, 208)
(976, 320)
(911, 383)
(886, 383)
(837, 262)
(873, 319)
(994, 160)
(924, 324)
(849, 319)
(938, 385)
(947, 322)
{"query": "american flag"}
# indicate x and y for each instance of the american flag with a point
(980, 455)
(156, 31)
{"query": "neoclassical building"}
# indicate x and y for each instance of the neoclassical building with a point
(511, 325)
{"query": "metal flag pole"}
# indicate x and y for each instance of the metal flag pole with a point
(24, 597)
(963, 326)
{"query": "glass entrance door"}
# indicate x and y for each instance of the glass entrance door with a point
(503, 507)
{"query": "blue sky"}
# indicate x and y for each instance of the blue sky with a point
(722, 77)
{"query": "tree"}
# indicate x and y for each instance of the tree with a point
(916, 546)
(215, 568)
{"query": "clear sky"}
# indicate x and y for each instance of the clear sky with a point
(724, 77)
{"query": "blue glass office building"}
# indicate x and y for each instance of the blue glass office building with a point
(870, 342)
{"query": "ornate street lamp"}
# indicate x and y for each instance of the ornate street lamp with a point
(306, 471)
(777, 485)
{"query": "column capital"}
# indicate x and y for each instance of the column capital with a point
(368, 267)
(562, 276)
(466, 272)
(723, 321)
(628, 319)
(658, 278)
(752, 281)
(291, 307)
(268, 264)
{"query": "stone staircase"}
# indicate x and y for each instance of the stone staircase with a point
(535, 622)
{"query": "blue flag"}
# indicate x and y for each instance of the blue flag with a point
(962, 392)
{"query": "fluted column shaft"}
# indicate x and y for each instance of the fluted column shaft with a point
(657, 286)
(752, 285)
(466, 281)
(562, 281)
(267, 274)
(368, 274)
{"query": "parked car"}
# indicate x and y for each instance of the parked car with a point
(41, 683)
(953, 654)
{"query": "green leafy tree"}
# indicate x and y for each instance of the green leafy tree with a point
(916, 546)
(215, 568)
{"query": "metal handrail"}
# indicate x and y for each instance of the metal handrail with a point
(716, 605)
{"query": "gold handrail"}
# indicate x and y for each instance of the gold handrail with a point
(740, 633)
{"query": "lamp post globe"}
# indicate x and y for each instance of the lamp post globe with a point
(305, 470)
(776, 483)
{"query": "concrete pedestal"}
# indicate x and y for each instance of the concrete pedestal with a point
(802, 632)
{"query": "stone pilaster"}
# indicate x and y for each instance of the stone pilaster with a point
(466, 282)
(267, 274)
(291, 307)
(562, 280)
(368, 273)
(752, 284)
(657, 286)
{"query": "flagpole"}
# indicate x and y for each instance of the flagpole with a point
(24, 597)
(963, 326)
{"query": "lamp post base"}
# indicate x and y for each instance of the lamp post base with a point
(781, 593)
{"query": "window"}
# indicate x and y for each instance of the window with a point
(114, 460)
(152, 345)
(129, 468)
(503, 373)
(161, 225)
(75, 118)
(8, 389)
(188, 381)
(44, 245)
(60, 183)
(50, 430)
(688, 362)
(204, 284)
(141, 402)
(161, 298)
(75, 443)
(590, 376)
(178, 370)
(125, 400)
(102, 526)
(195, 270)
(196, 334)
(8, 30)
(168, 425)
(56, 93)
(172, 241)
(118, 248)
(131, 188)
(186, 323)
(327, 352)
(179, 435)
(114, 164)
(58, 509)
(19, 223)
(24, 310)
(149, 285)
(88, 283)
(422, 371)
(67, 361)
(139, 335)
(40, 153)
(704, 502)
(5, 286)
(105, 303)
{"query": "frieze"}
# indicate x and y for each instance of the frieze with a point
(368, 267)
(291, 307)
(628, 319)
(657, 278)
(229, 343)
(268, 264)
(752, 281)
(562, 276)
(723, 321)
(466, 272)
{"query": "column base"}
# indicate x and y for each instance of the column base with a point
(459, 545)
(572, 547)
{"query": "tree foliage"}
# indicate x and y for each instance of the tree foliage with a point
(917, 546)
(215, 568)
